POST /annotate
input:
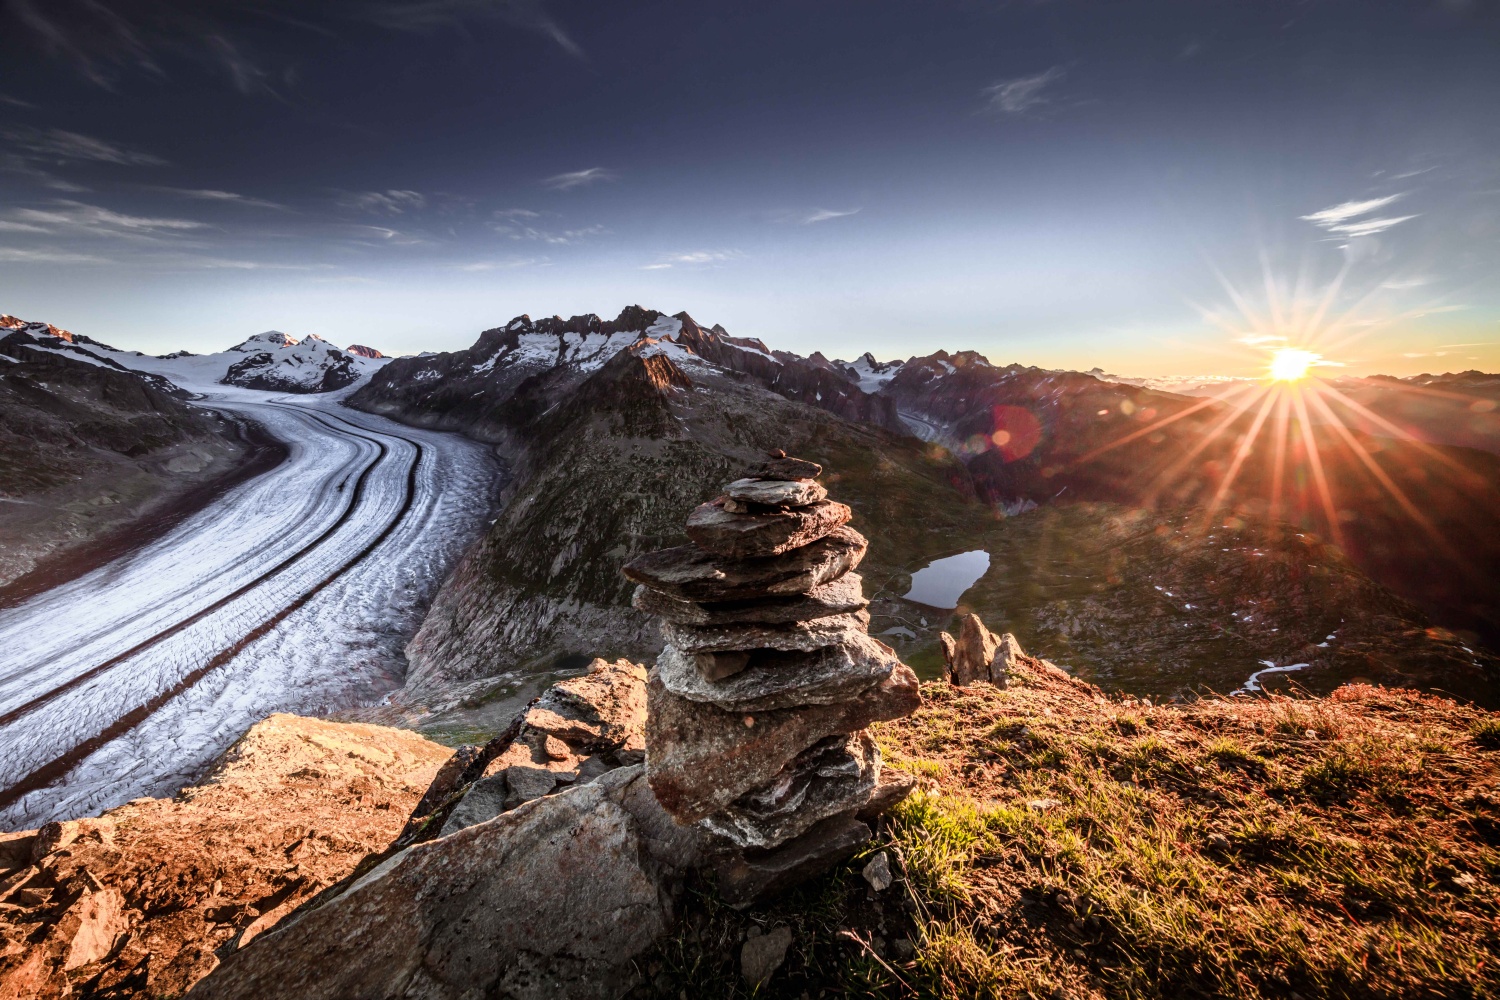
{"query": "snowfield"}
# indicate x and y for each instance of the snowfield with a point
(295, 592)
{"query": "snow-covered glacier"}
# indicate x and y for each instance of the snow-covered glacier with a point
(295, 591)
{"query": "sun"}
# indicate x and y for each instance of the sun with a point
(1290, 364)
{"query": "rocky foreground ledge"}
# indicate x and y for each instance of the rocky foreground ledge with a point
(1061, 842)
(144, 900)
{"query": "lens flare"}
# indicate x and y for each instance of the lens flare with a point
(1292, 363)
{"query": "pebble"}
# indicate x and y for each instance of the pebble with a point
(763, 954)
(878, 872)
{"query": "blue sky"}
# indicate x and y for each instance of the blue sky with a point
(1151, 188)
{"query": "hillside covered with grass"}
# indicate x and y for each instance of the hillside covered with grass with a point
(1068, 844)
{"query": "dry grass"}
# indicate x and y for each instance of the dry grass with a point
(1063, 844)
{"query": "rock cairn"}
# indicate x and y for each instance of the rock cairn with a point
(757, 706)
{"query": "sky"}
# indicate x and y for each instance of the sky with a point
(1149, 188)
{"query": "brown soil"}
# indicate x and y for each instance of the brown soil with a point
(144, 900)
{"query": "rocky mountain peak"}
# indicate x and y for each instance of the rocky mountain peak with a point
(271, 339)
(8, 322)
(362, 351)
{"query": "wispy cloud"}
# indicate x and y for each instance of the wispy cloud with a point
(578, 178)
(556, 237)
(1341, 218)
(392, 202)
(1368, 227)
(14, 255)
(198, 262)
(693, 258)
(79, 219)
(386, 236)
(59, 145)
(515, 213)
(824, 214)
(16, 102)
(507, 264)
(1022, 94)
(209, 194)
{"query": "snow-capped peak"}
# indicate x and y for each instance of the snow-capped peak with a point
(265, 341)
(869, 373)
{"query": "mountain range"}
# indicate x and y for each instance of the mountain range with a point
(271, 361)
(613, 427)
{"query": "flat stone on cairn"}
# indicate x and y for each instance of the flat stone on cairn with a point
(757, 705)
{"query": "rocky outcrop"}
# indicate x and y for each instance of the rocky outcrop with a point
(538, 865)
(978, 654)
(578, 730)
(147, 899)
(754, 730)
(550, 900)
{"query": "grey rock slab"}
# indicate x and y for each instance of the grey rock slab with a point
(804, 636)
(484, 800)
(777, 680)
(756, 875)
(776, 492)
(527, 783)
(838, 597)
(691, 574)
(554, 899)
(763, 954)
(700, 758)
(746, 535)
(832, 776)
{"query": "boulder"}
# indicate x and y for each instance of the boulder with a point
(832, 776)
(837, 597)
(554, 899)
(972, 655)
(691, 574)
(700, 758)
(804, 636)
(596, 721)
(776, 492)
(604, 708)
(768, 533)
(775, 679)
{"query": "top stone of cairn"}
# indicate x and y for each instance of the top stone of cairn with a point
(779, 466)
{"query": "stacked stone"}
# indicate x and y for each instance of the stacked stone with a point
(757, 706)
